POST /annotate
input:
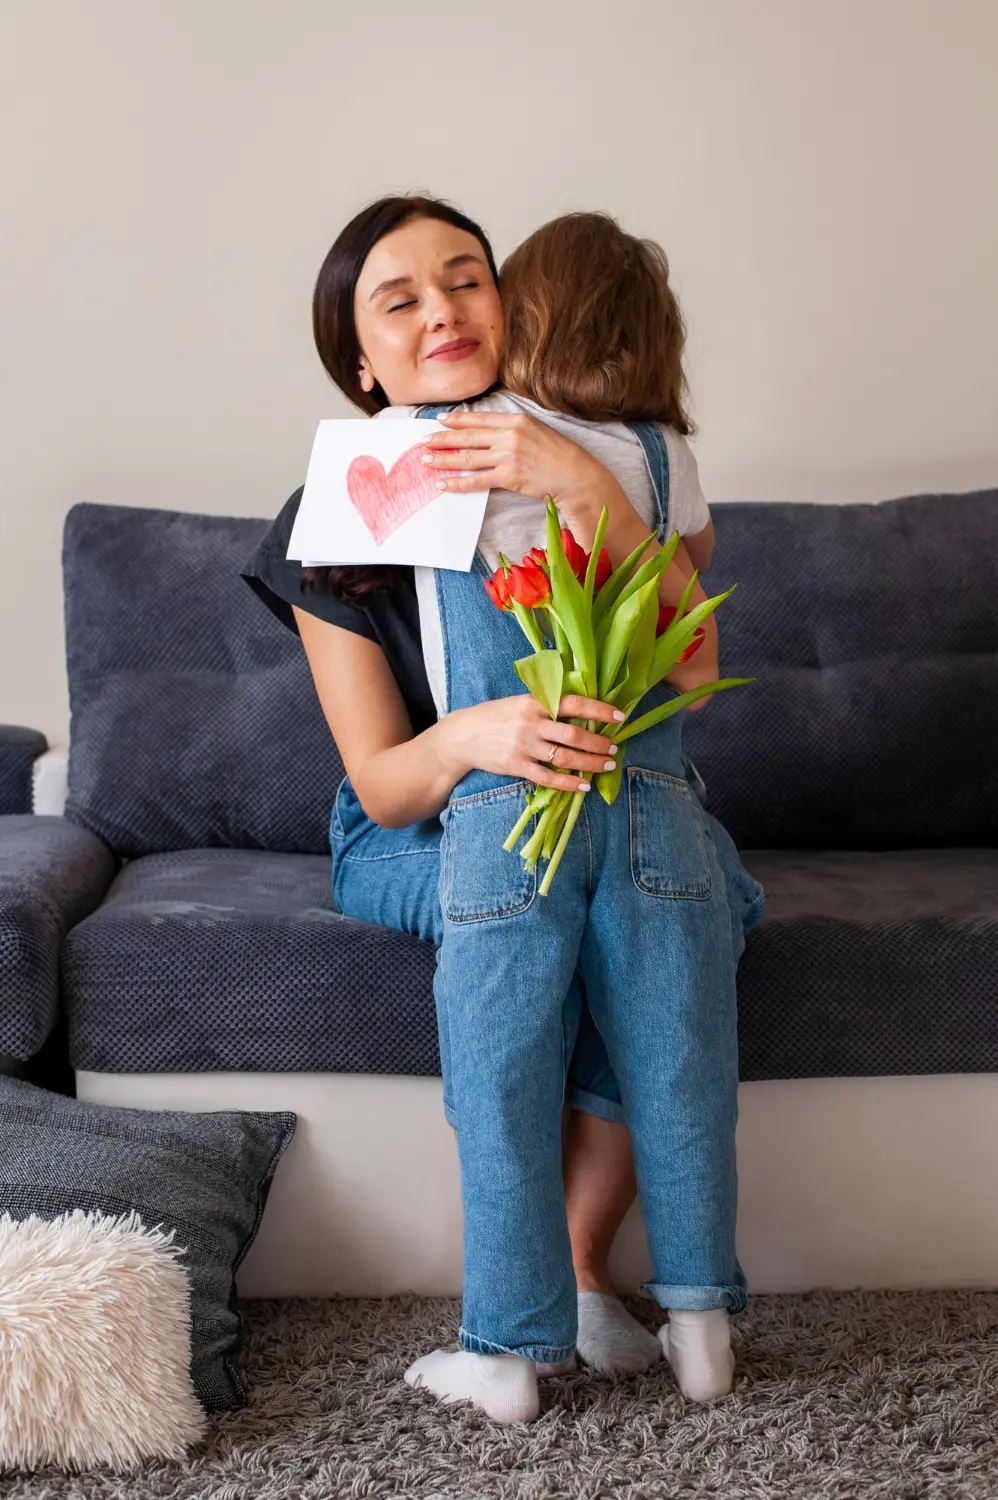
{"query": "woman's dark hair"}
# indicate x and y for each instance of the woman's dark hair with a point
(335, 332)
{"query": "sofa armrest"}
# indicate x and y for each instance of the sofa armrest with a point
(52, 875)
(19, 749)
(49, 783)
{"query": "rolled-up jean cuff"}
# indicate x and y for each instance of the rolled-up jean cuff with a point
(541, 1354)
(697, 1298)
(595, 1104)
(754, 914)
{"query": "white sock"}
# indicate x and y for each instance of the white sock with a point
(503, 1385)
(698, 1347)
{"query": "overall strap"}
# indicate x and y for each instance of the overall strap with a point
(435, 411)
(652, 440)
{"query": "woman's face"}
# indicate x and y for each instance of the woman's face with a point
(428, 316)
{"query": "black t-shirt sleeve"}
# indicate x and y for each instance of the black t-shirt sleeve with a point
(279, 582)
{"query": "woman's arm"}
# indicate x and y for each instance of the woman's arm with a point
(700, 548)
(401, 777)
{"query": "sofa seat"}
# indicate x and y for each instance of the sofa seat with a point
(235, 961)
(216, 960)
(872, 964)
(51, 875)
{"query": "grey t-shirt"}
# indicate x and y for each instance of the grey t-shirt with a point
(513, 524)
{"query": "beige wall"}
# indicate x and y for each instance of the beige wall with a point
(822, 176)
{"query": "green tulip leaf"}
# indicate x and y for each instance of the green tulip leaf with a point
(673, 642)
(615, 584)
(570, 605)
(675, 706)
(590, 582)
(625, 622)
(543, 673)
(608, 782)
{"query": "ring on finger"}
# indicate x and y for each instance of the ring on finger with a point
(551, 755)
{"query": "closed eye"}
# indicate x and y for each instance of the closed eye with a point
(465, 286)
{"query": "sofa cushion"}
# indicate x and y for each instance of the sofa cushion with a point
(872, 631)
(51, 875)
(195, 721)
(203, 1176)
(235, 961)
(220, 960)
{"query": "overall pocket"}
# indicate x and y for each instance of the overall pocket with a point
(668, 855)
(479, 879)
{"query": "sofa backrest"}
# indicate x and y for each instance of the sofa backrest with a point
(872, 631)
(194, 719)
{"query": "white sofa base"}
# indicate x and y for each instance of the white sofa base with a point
(854, 1182)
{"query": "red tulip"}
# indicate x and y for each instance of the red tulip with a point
(576, 555)
(537, 555)
(666, 615)
(699, 636)
(529, 584)
(604, 567)
(497, 588)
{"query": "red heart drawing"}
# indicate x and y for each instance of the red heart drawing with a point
(384, 501)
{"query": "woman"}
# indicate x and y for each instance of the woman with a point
(406, 305)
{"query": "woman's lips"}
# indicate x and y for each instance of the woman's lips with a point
(456, 349)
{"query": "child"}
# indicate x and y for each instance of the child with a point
(650, 904)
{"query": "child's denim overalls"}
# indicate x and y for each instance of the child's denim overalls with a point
(646, 917)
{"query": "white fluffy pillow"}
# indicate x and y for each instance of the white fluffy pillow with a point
(94, 1344)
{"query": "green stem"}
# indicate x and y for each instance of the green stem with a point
(566, 832)
(519, 826)
(554, 825)
(535, 843)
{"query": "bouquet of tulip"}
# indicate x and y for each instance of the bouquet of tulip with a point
(599, 633)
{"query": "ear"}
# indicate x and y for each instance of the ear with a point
(366, 376)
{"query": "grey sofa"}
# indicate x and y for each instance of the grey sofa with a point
(179, 917)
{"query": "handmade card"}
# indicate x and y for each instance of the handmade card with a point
(369, 498)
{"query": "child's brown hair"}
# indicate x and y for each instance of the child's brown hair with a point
(593, 327)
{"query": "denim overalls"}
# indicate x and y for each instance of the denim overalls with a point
(646, 919)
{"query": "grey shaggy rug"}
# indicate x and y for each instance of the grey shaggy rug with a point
(838, 1396)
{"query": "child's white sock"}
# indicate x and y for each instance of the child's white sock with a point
(503, 1385)
(610, 1340)
(698, 1347)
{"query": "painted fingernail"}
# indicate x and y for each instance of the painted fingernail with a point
(612, 750)
(619, 716)
(585, 786)
(609, 765)
(441, 484)
(428, 458)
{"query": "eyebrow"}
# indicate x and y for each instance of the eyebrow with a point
(449, 265)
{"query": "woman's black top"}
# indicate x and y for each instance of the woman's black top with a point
(391, 619)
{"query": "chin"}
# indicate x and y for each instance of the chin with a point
(462, 383)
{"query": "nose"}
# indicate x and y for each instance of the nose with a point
(442, 310)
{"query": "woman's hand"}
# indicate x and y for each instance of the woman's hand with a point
(516, 737)
(511, 451)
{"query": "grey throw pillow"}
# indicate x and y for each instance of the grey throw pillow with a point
(205, 1176)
